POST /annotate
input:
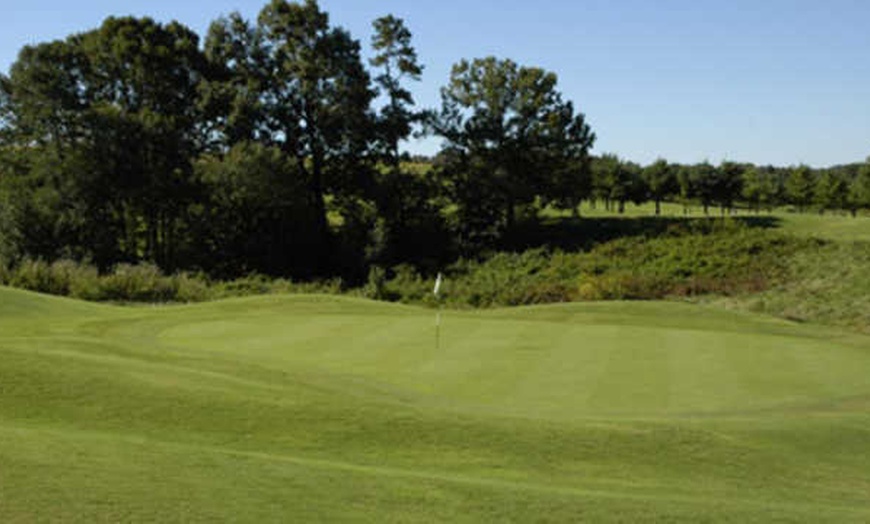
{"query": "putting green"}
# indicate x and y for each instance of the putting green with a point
(326, 408)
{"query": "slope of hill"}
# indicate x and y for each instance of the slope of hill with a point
(292, 408)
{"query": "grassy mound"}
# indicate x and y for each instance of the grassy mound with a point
(292, 408)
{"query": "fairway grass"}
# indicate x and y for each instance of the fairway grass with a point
(317, 408)
(833, 226)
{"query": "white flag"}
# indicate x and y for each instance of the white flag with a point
(437, 286)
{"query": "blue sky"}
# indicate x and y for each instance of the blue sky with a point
(765, 81)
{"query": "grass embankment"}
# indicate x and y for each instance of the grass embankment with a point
(314, 408)
(698, 258)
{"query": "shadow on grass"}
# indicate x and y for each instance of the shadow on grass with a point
(580, 233)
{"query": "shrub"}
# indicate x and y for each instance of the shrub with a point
(37, 275)
(192, 287)
(139, 283)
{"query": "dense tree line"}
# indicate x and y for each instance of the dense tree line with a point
(271, 146)
(756, 188)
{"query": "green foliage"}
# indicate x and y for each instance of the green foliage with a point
(616, 181)
(712, 257)
(703, 181)
(859, 191)
(759, 188)
(728, 184)
(257, 216)
(397, 59)
(145, 283)
(263, 152)
(510, 138)
(660, 180)
(831, 191)
(829, 284)
(800, 187)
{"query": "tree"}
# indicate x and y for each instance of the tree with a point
(684, 183)
(110, 117)
(233, 101)
(256, 216)
(659, 178)
(752, 188)
(727, 185)
(398, 60)
(317, 99)
(800, 187)
(509, 126)
(703, 180)
(831, 191)
(615, 178)
(859, 190)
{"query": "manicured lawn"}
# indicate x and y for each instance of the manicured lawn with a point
(837, 226)
(314, 408)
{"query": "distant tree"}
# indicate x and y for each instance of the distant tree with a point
(859, 190)
(753, 182)
(800, 187)
(759, 188)
(660, 180)
(727, 185)
(616, 179)
(703, 180)
(831, 191)
(397, 60)
(571, 181)
(684, 185)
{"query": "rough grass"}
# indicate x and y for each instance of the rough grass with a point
(829, 284)
(315, 408)
(722, 258)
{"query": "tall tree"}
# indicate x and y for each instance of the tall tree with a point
(233, 96)
(397, 60)
(317, 99)
(112, 113)
(511, 125)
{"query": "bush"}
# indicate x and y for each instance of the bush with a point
(37, 275)
(192, 288)
(139, 283)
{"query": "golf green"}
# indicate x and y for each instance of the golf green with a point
(319, 408)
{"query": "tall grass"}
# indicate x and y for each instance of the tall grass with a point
(828, 284)
(726, 261)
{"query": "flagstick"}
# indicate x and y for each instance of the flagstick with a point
(436, 291)
(438, 329)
